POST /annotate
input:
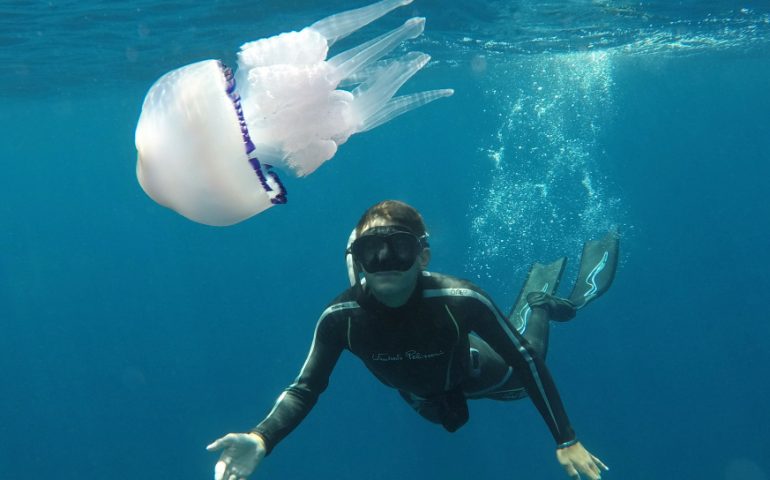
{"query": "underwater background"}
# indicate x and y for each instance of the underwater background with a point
(131, 337)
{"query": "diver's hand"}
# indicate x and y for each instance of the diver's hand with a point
(576, 460)
(242, 453)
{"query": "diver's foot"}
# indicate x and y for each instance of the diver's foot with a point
(559, 309)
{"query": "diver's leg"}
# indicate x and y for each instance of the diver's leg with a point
(531, 312)
(488, 374)
(538, 330)
(541, 278)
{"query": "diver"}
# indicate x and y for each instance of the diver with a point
(435, 338)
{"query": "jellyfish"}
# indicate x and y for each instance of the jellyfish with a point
(211, 141)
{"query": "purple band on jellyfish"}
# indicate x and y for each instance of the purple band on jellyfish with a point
(262, 173)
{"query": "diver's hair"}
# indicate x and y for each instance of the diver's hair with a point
(396, 212)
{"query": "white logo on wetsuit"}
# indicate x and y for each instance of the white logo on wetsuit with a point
(408, 355)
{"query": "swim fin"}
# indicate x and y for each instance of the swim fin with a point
(541, 279)
(598, 263)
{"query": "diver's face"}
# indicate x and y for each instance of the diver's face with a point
(393, 283)
(393, 286)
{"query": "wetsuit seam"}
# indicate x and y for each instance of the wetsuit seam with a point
(452, 355)
(350, 344)
(331, 309)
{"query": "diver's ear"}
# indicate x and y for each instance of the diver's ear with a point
(424, 258)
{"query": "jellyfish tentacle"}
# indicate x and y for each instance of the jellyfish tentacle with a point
(342, 24)
(347, 63)
(400, 105)
(337, 61)
(366, 73)
(373, 94)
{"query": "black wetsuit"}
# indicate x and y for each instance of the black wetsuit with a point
(449, 342)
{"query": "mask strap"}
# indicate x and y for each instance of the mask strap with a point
(353, 270)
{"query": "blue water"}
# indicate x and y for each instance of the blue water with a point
(132, 337)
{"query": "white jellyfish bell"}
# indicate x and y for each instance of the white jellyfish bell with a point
(208, 139)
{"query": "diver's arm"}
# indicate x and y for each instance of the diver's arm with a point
(489, 323)
(298, 399)
(491, 326)
(242, 452)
